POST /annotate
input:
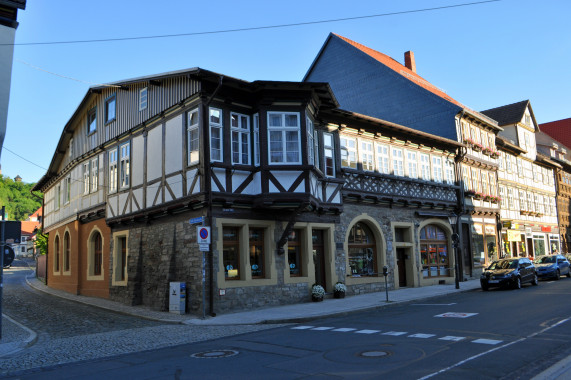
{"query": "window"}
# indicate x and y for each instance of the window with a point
(70, 148)
(215, 134)
(120, 259)
(94, 174)
(66, 252)
(329, 155)
(240, 130)
(511, 204)
(110, 104)
(57, 197)
(475, 179)
(310, 143)
(124, 166)
(508, 163)
(522, 203)
(504, 202)
(449, 171)
(257, 252)
(493, 183)
(398, 162)
(123, 265)
(362, 256)
(437, 168)
(412, 164)
(502, 161)
(57, 254)
(284, 137)
(294, 253)
(86, 173)
(367, 156)
(383, 159)
(97, 254)
(466, 177)
(193, 137)
(113, 171)
(530, 204)
(256, 139)
(231, 253)
(434, 252)
(425, 167)
(143, 99)
(67, 190)
(348, 152)
(485, 183)
(91, 121)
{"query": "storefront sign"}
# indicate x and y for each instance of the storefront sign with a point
(507, 224)
(490, 230)
(545, 228)
(514, 235)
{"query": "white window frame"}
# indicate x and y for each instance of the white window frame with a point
(240, 135)
(67, 190)
(310, 128)
(124, 166)
(284, 130)
(86, 177)
(348, 152)
(256, 139)
(397, 159)
(383, 159)
(92, 113)
(437, 168)
(492, 183)
(475, 179)
(143, 98)
(113, 170)
(425, 172)
(70, 148)
(111, 104)
(367, 155)
(57, 196)
(329, 155)
(466, 177)
(94, 174)
(449, 170)
(504, 202)
(411, 164)
(193, 136)
(216, 150)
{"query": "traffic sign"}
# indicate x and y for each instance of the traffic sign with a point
(197, 220)
(203, 235)
(204, 247)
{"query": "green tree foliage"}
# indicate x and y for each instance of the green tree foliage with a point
(17, 198)
(41, 243)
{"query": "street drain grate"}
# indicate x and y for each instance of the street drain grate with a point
(374, 354)
(217, 354)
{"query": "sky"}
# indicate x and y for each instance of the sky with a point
(483, 55)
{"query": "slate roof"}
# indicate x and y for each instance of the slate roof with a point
(560, 130)
(508, 114)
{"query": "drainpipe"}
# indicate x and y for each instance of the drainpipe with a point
(208, 184)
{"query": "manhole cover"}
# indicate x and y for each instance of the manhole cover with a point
(374, 354)
(217, 354)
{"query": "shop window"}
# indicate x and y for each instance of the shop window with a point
(434, 252)
(231, 253)
(257, 252)
(478, 252)
(362, 256)
(294, 253)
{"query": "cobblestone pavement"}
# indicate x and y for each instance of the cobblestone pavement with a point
(69, 332)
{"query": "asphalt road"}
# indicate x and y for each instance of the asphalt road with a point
(500, 334)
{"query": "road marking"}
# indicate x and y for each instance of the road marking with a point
(367, 331)
(323, 328)
(344, 329)
(395, 333)
(455, 315)
(434, 304)
(423, 336)
(487, 341)
(453, 338)
(302, 327)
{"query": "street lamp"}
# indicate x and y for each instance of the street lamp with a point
(453, 219)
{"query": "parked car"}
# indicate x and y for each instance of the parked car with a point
(552, 266)
(509, 272)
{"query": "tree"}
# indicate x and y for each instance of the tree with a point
(17, 199)
(41, 242)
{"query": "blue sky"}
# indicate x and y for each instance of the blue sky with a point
(484, 55)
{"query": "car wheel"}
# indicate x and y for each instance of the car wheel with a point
(535, 280)
(569, 273)
(517, 283)
(485, 288)
(558, 275)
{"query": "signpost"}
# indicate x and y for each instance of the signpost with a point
(203, 240)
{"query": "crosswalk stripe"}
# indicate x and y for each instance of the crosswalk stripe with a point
(322, 328)
(344, 329)
(302, 327)
(395, 333)
(367, 331)
(423, 336)
(453, 338)
(487, 341)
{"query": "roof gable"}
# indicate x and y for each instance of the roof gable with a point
(508, 114)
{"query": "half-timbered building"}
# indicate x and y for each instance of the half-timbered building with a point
(372, 83)
(295, 191)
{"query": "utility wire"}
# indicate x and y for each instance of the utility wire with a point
(65, 77)
(250, 28)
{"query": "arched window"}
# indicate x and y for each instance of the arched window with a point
(66, 249)
(362, 251)
(56, 254)
(97, 253)
(434, 252)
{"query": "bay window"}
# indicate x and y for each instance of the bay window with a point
(193, 137)
(284, 138)
(124, 174)
(398, 162)
(240, 128)
(215, 120)
(329, 155)
(367, 156)
(383, 159)
(348, 152)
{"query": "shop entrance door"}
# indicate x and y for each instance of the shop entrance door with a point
(318, 257)
(401, 263)
(466, 260)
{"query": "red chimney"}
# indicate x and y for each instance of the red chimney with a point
(409, 61)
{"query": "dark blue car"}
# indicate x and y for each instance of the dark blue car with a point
(552, 266)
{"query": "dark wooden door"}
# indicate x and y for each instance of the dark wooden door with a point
(318, 257)
(401, 263)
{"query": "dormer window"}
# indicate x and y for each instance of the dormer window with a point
(110, 108)
(91, 121)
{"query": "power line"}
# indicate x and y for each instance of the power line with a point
(251, 28)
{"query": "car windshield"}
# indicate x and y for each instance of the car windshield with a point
(504, 264)
(546, 260)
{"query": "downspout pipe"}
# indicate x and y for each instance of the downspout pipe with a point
(208, 184)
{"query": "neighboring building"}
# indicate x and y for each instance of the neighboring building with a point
(526, 183)
(295, 191)
(29, 228)
(8, 25)
(560, 130)
(561, 154)
(371, 83)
